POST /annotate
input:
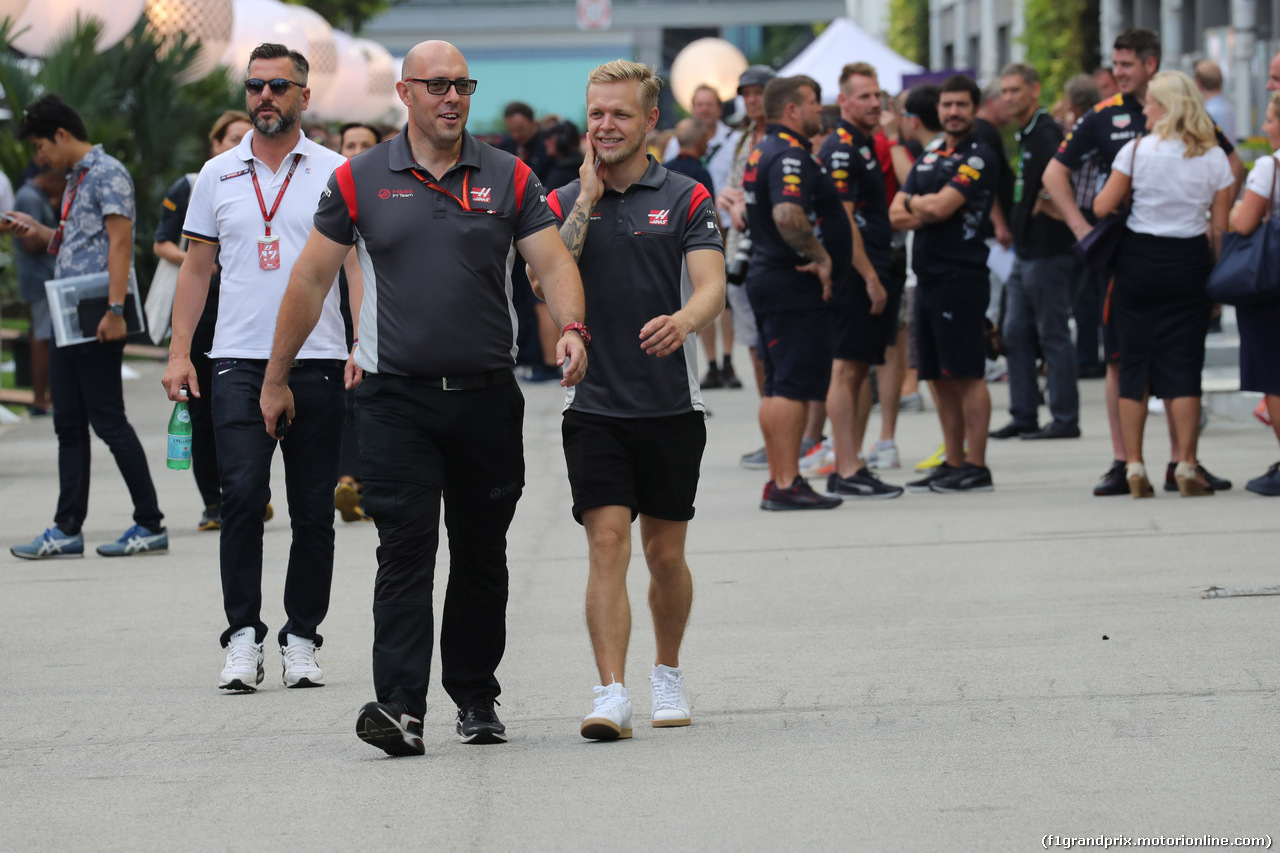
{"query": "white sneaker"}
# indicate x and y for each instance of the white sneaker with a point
(611, 718)
(884, 457)
(243, 672)
(298, 658)
(819, 461)
(670, 703)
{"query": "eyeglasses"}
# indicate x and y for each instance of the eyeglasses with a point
(440, 85)
(279, 86)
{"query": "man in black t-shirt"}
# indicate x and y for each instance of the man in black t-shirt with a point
(947, 201)
(1042, 284)
(866, 313)
(1098, 136)
(802, 249)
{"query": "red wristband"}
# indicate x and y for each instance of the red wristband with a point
(581, 329)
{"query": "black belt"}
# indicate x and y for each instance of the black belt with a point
(490, 379)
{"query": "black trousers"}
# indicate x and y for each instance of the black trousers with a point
(204, 449)
(311, 473)
(419, 443)
(87, 391)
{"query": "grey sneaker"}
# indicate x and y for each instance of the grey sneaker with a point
(911, 403)
(50, 544)
(136, 540)
(755, 460)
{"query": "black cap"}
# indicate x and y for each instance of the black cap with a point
(756, 75)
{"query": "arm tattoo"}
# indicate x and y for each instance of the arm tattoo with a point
(574, 230)
(794, 227)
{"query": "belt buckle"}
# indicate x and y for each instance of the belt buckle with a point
(444, 384)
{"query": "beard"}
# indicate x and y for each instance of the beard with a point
(278, 125)
(620, 154)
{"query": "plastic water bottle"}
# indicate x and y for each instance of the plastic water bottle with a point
(180, 435)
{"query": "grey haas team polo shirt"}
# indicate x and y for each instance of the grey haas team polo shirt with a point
(433, 254)
(633, 269)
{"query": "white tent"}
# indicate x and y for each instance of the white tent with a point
(841, 43)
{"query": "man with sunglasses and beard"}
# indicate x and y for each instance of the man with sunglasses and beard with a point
(251, 209)
(432, 214)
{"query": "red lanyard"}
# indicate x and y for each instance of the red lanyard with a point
(262, 204)
(55, 243)
(466, 194)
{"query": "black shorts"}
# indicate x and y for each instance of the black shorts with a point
(860, 335)
(795, 347)
(648, 464)
(951, 334)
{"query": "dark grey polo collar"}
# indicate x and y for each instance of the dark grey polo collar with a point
(400, 157)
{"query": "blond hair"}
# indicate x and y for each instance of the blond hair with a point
(858, 69)
(1186, 119)
(622, 70)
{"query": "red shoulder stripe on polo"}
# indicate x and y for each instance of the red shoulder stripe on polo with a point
(553, 200)
(700, 195)
(347, 186)
(522, 179)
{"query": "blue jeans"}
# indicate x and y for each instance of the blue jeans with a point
(311, 473)
(1039, 304)
(86, 390)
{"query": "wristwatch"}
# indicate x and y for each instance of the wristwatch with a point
(116, 308)
(906, 202)
(581, 329)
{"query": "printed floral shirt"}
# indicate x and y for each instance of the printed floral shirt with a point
(98, 186)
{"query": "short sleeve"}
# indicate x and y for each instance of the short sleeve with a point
(34, 206)
(1261, 176)
(533, 212)
(334, 217)
(115, 193)
(201, 222)
(703, 228)
(978, 173)
(173, 211)
(1223, 177)
(793, 176)
(1079, 142)
(1123, 163)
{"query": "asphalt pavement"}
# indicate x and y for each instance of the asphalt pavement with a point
(933, 672)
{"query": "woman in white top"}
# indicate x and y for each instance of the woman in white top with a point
(1260, 324)
(1182, 188)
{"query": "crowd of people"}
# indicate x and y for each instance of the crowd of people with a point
(853, 250)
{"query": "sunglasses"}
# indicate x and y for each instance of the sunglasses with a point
(440, 85)
(279, 86)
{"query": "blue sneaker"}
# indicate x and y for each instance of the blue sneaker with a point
(52, 543)
(136, 540)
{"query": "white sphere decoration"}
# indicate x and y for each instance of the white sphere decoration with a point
(343, 101)
(49, 22)
(319, 49)
(710, 61)
(258, 21)
(12, 9)
(380, 85)
(210, 21)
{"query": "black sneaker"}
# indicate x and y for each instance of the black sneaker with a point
(730, 376)
(970, 478)
(390, 728)
(1013, 429)
(479, 723)
(799, 495)
(862, 484)
(210, 519)
(1216, 484)
(712, 379)
(1052, 430)
(1114, 482)
(1268, 484)
(937, 473)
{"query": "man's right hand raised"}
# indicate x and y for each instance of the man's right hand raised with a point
(589, 173)
(180, 372)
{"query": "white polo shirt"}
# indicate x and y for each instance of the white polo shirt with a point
(224, 211)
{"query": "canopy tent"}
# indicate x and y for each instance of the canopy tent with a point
(843, 42)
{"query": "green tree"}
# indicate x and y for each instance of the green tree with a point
(1055, 43)
(909, 29)
(346, 14)
(132, 102)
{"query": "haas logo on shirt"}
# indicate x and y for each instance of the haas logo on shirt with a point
(658, 217)
(481, 195)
